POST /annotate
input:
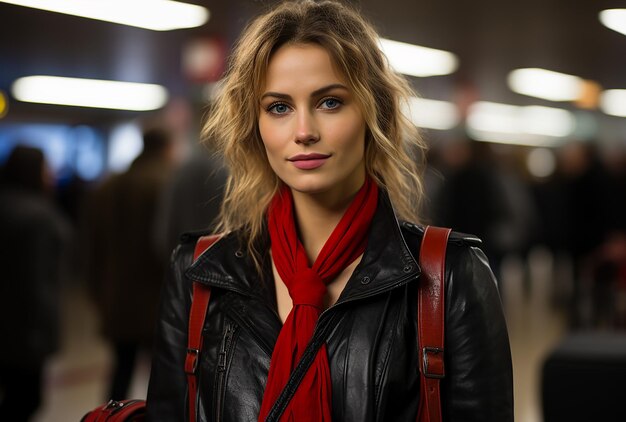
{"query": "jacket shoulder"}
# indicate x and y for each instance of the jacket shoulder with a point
(182, 255)
(193, 236)
(461, 239)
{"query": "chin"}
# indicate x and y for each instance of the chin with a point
(322, 181)
(308, 183)
(310, 187)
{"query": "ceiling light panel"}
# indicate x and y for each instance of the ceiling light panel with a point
(546, 84)
(415, 60)
(432, 114)
(89, 93)
(613, 102)
(614, 19)
(528, 125)
(157, 15)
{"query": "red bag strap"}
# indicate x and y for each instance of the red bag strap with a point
(430, 321)
(197, 314)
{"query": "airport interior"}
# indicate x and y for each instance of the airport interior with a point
(522, 106)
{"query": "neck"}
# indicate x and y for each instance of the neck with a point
(317, 215)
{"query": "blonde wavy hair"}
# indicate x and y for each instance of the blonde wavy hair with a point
(394, 152)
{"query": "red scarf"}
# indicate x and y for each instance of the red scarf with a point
(307, 288)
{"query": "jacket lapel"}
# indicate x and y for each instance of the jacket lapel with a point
(387, 262)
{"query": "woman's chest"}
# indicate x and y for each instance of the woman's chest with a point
(334, 288)
(371, 349)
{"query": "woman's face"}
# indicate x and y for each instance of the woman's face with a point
(311, 126)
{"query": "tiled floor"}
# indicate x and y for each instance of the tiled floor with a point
(76, 377)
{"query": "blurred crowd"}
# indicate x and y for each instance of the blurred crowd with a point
(114, 236)
(577, 211)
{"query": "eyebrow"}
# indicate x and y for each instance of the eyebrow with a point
(315, 93)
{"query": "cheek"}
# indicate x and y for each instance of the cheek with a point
(267, 134)
(271, 141)
(351, 134)
(273, 132)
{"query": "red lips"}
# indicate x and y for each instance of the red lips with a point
(308, 161)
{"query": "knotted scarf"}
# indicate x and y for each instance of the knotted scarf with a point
(307, 288)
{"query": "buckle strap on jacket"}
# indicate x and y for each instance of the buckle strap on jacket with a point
(197, 314)
(430, 321)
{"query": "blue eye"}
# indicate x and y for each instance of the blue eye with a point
(278, 108)
(330, 103)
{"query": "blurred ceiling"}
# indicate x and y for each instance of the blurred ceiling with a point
(490, 37)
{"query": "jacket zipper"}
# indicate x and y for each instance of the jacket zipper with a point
(320, 332)
(222, 360)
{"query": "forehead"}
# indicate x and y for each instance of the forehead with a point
(301, 67)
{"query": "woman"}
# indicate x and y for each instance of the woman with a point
(321, 162)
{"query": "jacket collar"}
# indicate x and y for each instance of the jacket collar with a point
(386, 264)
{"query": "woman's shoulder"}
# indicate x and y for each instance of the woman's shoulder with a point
(191, 237)
(184, 252)
(203, 248)
(465, 259)
(415, 232)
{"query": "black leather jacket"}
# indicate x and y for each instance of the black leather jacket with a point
(371, 333)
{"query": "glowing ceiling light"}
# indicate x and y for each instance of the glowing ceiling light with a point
(547, 121)
(89, 93)
(418, 61)
(546, 84)
(432, 114)
(528, 125)
(613, 102)
(157, 15)
(614, 19)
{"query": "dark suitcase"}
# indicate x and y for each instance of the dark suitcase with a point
(584, 378)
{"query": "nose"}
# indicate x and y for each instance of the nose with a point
(306, 130)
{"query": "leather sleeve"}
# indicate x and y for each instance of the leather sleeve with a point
(479, 379)
(168, 384)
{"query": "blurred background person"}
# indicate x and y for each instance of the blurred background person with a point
(192, 196)
(584, 212)
(125, 268)
(191, 199)
(472, 198)
(33, 237)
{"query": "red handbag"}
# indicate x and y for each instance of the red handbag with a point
(118, 411)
